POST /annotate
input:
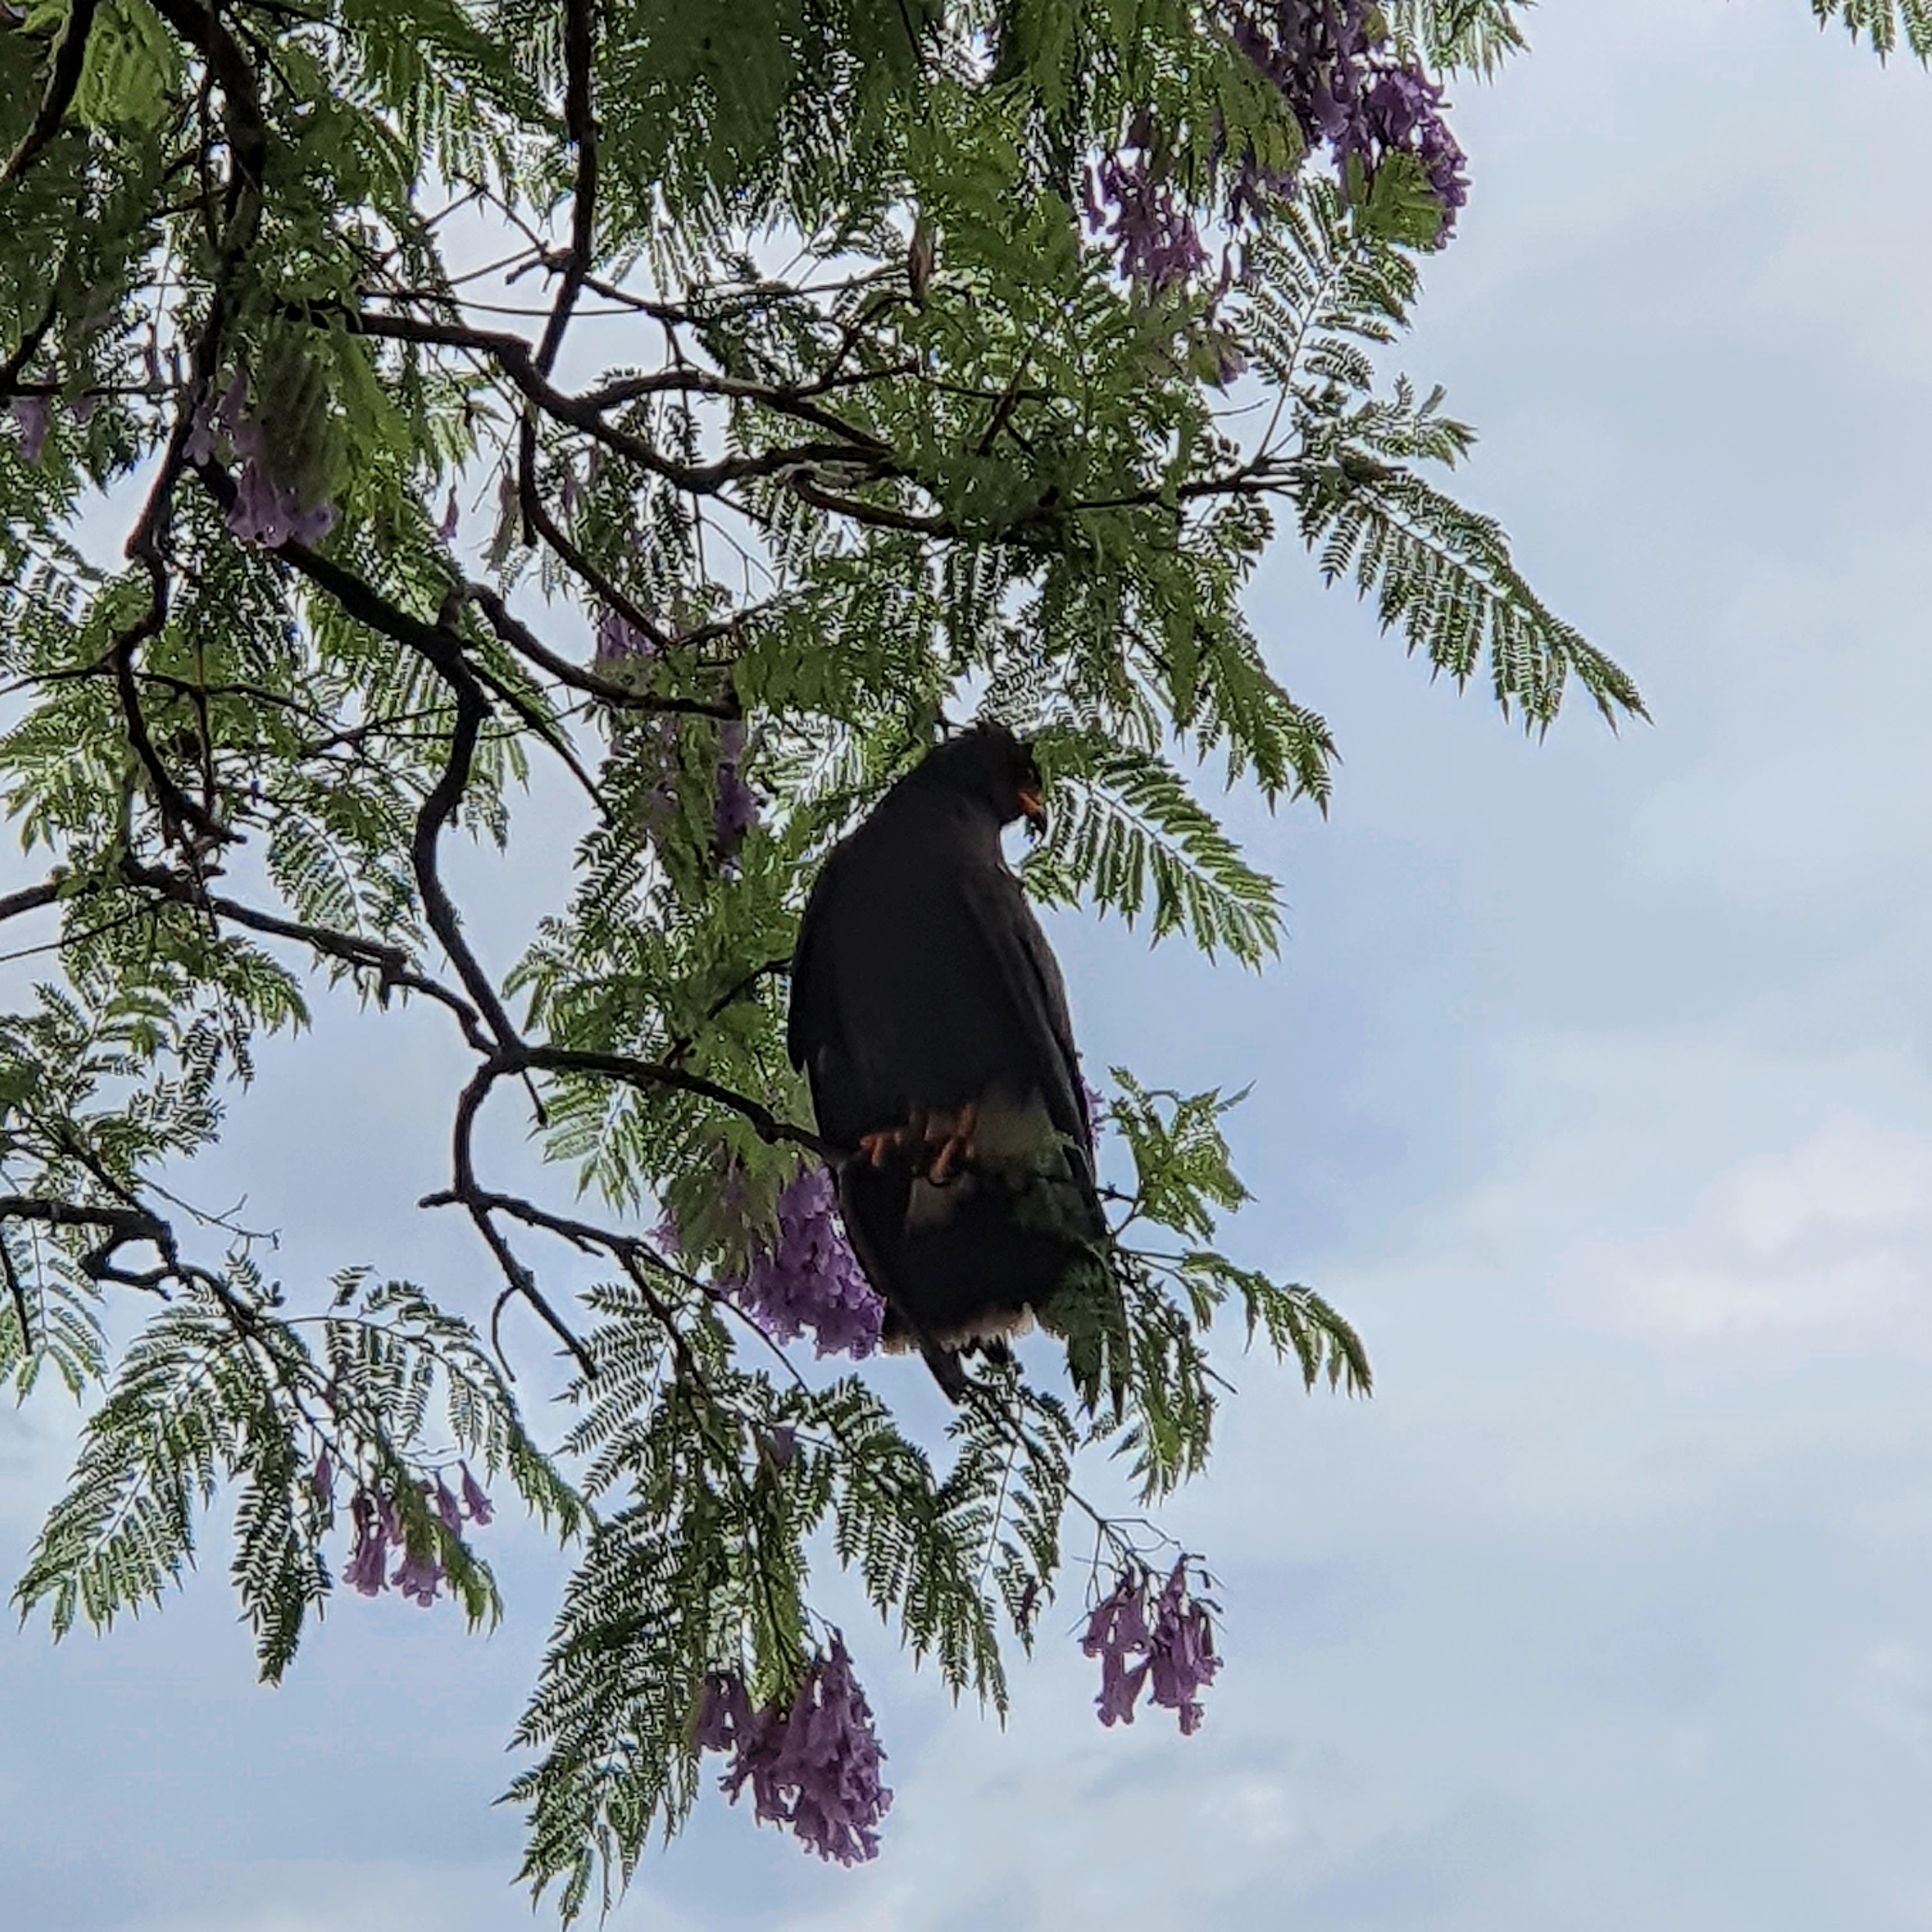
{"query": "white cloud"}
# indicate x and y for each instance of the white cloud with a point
(1833, 1233)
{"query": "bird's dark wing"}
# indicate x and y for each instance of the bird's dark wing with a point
(814, 1013)
(1024, 964)
(815, 1031)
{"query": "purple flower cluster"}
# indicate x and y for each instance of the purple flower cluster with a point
(265, 511)
(1402, 113)
(618, 640)
(1152, 230)
(809, 1278)
(34, 414)
(1175, 1654)
(815, 1767)
(1348, 90)
(735, 805)
(379, 1531)
(736, 810)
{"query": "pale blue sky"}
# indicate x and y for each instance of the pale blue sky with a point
(1595, 1083)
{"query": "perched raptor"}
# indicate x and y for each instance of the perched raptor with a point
(929, 1015)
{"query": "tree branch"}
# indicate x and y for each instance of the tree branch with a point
(465, 1190)
(648, 1074)
(521, 639)
(391, 963)
(70, 58)
(30, 899)
(121, 1225)
(580, 121)
(515, 356)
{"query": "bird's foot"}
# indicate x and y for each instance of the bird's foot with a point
(951, 1135)
(880, 1148)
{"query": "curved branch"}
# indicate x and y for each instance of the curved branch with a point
(390, 964)
(649, 1074)
(521, 639)
(472, 710)
(481, 1205)
(69, 58)
(177, 809)
(513, 355)
(118, 1227)
(581, 122)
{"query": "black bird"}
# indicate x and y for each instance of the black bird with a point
(930, 1016)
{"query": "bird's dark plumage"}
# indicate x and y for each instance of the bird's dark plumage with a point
(929, 1015)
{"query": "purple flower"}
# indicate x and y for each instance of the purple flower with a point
(724, 1713)
(1181, 1651)
(618, 640)
(1176, 1658)
(809, 1278)
(476, 1505)
(446, 530)
(417, 1576)
(1117, 1630)
(199, 447)
(1231, 363)
(34, 414)
(736, 810)
(1400, 111)
(1152, 230)
(831, 1754)
(368, 1560)
(323, 1481)
(447, 1510)
(1348, 91)
(256, 515)
(815, 1767)
(265, 512)
(781, 1445)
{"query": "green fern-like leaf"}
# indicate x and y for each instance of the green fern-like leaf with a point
(1128, 832)
(1886, 23)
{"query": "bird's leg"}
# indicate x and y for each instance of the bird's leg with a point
(880, 1148)
(952, 1135)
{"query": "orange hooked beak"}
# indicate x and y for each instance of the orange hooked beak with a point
(1033, 809)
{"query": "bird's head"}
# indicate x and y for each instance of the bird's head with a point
(994, 768)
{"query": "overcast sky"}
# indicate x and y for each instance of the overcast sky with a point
(1595, 1084)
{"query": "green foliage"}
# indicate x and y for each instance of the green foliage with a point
(1126, 829)
(1440, 574)
(701, 1566)
(220, 1387)
(1477, 35)
(1886, 22)
(1183, 1183)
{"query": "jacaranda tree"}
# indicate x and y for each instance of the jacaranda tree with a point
(969, 354)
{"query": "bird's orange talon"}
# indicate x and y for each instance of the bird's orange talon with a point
(879, 1148)
(952, 1137)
